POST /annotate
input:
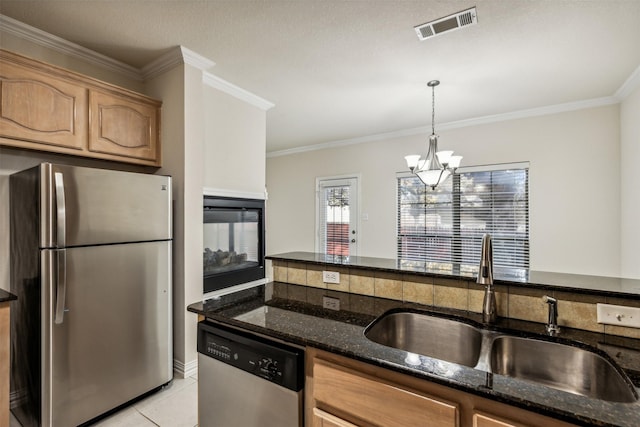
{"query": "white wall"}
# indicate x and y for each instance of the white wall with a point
(170, 87)
(235, 143)
(574, 186)
(629, 180)
(210, 139)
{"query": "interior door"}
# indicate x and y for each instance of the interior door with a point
(114, 340)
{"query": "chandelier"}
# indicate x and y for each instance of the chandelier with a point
(436, 167)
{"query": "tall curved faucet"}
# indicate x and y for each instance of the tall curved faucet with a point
(485, 277)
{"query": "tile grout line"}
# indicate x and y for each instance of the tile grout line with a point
(147, 418)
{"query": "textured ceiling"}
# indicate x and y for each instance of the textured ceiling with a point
(344, 69)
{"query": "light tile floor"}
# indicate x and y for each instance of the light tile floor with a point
(174, 406)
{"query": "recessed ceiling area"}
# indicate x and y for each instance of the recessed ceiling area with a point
(338, 70)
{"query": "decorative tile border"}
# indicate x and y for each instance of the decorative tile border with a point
(576, 311)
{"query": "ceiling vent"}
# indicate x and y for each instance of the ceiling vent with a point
(446, 24)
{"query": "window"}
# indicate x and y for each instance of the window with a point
(336, 216)
(443, 227)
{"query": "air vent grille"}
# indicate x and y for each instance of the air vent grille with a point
(446, 24)
(466, 18)
(426, 31)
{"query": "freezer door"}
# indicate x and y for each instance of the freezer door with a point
(86, 206)
(114, 341)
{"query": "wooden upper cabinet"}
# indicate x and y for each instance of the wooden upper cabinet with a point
(37, 107)
(47, 108)
(122, 127)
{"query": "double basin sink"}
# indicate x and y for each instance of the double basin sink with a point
(560, 366)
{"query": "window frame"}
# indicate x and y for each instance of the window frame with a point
(456, 237)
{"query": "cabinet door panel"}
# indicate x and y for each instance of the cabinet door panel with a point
(122, 127)
(324, 419)
(41, 108)
(376, 402)
(484, 420)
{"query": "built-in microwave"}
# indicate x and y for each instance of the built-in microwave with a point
(233, 235)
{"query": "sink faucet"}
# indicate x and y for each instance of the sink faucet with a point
(552, 325)
(485, 277)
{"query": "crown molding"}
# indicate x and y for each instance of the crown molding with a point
(177, 56)
(631, 84)
(161, 64)
(425, 130)
(42, 38)
(195, 59)
(235, 91)
(532, 112)
(174, 57)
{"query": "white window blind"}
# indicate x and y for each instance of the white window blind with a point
(334, 216)
(445, 226)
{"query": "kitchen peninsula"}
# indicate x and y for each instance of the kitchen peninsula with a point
(335, 343)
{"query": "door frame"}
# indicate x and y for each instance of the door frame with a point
(353, 222)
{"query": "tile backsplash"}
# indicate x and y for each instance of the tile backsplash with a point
(574, 310)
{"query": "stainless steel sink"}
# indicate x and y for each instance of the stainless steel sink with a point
(443, 339)
(560, 366)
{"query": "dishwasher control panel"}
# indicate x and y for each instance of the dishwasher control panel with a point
(275, 362)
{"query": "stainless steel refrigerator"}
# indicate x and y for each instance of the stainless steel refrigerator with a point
(91, 255)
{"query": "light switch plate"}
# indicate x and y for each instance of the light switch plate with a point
(619, 315)
(330, 277)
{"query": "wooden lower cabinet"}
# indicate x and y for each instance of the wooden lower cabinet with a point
(486, 420)
(342, 392)
(324, 419)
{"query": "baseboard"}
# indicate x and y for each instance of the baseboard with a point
(184, 370)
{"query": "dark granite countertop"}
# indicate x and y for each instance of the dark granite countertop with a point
(6, 296)
(580, 283)
(294, 314)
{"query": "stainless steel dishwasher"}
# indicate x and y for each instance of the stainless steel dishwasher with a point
(245, 380)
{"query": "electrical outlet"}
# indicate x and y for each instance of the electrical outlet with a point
(619, 315)
(330, 277)
(331, 303)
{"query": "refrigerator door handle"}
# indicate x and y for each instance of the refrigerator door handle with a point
(61, 211)
(61, 285)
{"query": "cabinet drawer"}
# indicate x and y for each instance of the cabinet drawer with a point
(324, 419)
(375, 402)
